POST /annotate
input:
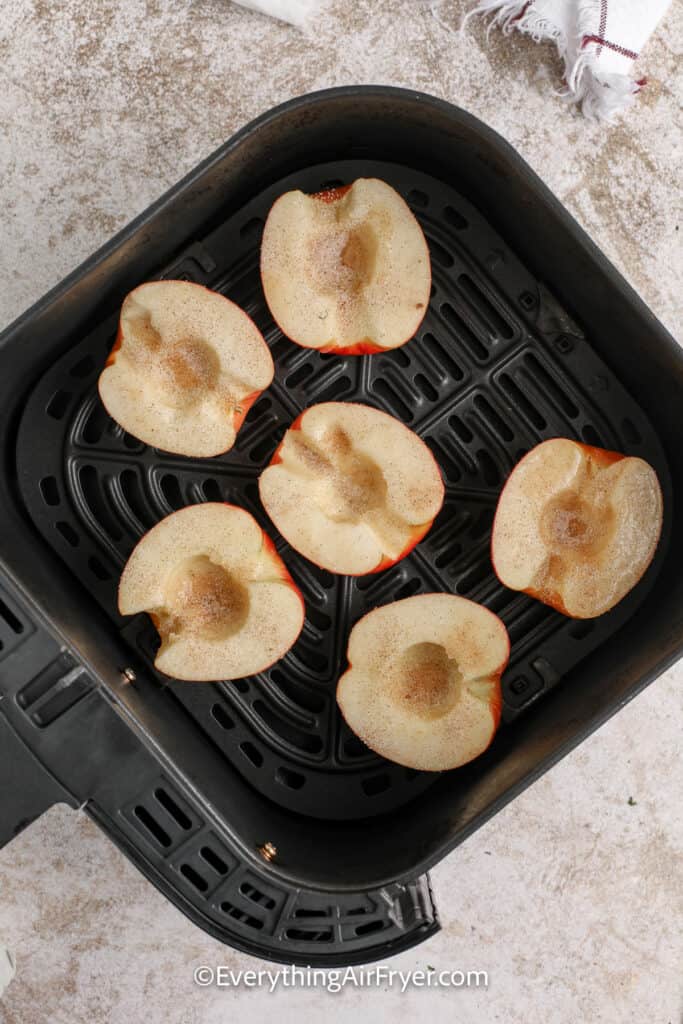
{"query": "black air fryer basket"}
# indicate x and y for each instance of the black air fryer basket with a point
(249, 803)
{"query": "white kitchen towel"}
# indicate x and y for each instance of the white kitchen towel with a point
(296, 12)
(598, 40)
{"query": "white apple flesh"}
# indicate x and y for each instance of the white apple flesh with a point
(346, 270)
(576, 526)
(218, 593)
(423, 684)
(185, 369)
(351, 488)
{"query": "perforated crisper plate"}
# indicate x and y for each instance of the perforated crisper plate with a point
(496, 367)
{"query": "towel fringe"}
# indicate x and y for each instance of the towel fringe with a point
(602, 96)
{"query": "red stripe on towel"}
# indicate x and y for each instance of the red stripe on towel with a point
(610, 46)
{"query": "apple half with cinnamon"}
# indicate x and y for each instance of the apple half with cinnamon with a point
(576, 526)
(423, 683)
(185, 369)
(351, 488)
(346, 270)
(218, 593)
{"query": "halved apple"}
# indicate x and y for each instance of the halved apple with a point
(423, 683)
(346, 270)
(351, 488)
(186, 366)
(217, 591)
(576, 526)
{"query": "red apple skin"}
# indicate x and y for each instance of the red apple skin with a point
(283, 574)
(496, 701)
(243, 408)
(331, 195)
(283, 571)
(360, 348)
(604, 457)
(417, 533)
(245, 403)
(111, 358)
(364, 347)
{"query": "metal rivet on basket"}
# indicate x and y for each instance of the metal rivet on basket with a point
(564, 343)
(268, 851)
(128, 676)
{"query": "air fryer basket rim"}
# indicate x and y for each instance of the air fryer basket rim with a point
(560, 729)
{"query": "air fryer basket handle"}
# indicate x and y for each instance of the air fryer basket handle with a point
(35, 672)
(26, 788)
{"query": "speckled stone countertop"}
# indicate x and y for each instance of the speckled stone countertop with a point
(572, 897)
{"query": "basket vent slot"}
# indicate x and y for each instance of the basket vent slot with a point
(299, 376)
(252, 229)
(97, 505)
(309, 934)
(266, 445)
(213, 860)
(482, 524)
(49, 490)
(485, 308)
(230, 910)
(303, 740)
(95, 424)
(475, 576)
(297, 693)
(221, 716)
(525, 407)
(170, 488)
(392, 400)
(398, 357)
(310, 912)
(212, 491)
(440, 355)
(195, 879)
(289, 778)
(409, 588)
(463, 333)
(172, 808)
(550, 386)
(417, 198)
(489, 469)
(426, 387)
(448, 555)
(252, 753)
(493, 418)
(591, 436)
(454, 218)
(132, 493)
(8, 616)
(98, 569)
(445, 460)
(256, 896)
(68, 533)
(337, 388)
(320, 620)
(58, 404)
(375, 784)
(354, 747)
(370, 927)
(440, 254)
(461, 429)
(152, 826)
